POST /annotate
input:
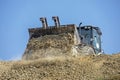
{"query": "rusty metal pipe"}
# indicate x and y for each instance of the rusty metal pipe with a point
(44, 22)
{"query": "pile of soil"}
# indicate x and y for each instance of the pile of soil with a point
(49, 45)
(64, 44)
(102, 67)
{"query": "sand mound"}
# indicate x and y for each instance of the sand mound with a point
(64, 44)
(49, 45)
(102, 67)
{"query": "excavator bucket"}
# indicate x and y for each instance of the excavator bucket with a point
(47, 41)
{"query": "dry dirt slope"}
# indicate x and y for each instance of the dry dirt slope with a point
(102, 67)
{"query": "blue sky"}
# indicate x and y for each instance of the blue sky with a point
(16, 16)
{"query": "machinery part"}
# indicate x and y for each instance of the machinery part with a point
(44, 22)
(91, 36)
(83, 49)
(56, 21)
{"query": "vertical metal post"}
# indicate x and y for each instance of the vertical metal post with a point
(80, 28)
(44, 22)
(56, 21)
